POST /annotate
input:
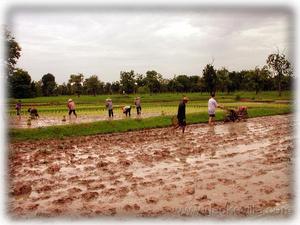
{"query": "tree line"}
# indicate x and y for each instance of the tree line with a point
(277, 75)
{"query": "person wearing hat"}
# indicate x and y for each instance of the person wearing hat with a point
(71, 107)
(109, 106)
(181, 114)
(126, 110)
(138, 107)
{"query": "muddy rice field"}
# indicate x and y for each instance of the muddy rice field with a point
(230, 170)
(46, 121)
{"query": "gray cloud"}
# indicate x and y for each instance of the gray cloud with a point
(105, 43)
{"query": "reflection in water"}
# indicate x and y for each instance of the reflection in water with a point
(211, 130)
(237, 128)
(44, 121)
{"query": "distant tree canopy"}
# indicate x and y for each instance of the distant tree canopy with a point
(280, 68)
(210, 78)
(76, 83)
(48, 84)
(152, 81)
(93, 85)
(13, 53)
(127, 80)
(20, 82)
(275, 75)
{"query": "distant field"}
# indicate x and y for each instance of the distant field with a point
(166, 102)
(160, 109)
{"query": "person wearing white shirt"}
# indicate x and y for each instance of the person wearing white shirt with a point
(212, 106)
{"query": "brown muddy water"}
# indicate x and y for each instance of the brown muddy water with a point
(230, 170)
(45, 121)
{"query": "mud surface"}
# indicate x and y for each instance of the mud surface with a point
(236, 169)
(45, 121)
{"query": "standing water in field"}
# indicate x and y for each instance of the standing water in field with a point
(234, 169)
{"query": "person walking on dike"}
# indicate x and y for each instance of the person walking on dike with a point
(138, 107)
(212, 106)
(126, 110)
(71, 107)
(109, 106)
(181, 114)
(18, 108)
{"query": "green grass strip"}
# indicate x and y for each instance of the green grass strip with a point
(102, 127)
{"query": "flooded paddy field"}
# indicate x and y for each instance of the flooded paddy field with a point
(234, 169)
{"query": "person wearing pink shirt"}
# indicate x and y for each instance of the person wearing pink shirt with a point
(71, 107)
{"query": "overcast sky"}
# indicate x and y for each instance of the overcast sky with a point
(105, 43)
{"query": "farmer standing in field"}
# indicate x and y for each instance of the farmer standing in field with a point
(212, 105)
(71, 107)
(181, 114)
(109, 106)
(137, 103)
(18, 108)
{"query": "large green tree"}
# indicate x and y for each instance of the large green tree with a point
(152, 80)
(76, 83)
(127, 81)
(13, 52)
(280, 67)
(210, 78)
(223, 81)
(93, 85)
(115, 87)
(21, 86)
(183, 82)
(48, 84)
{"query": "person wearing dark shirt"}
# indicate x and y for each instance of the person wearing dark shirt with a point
(181, 114)
(18, 108)
(33, 113)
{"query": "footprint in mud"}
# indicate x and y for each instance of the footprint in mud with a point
(112, 211)
(152, 200)
(211, 186)
(96, 186)
(74, 190)
(190, 190)
(226, 181)
(53, 169)
(169, 187)
(131, 207)
(168, 209)
(44, 189)
(89, 168)
(258, 183)
(90, 196)
(55, 212)
(32, 207)
(146, 184)
(22, 189)
(124, 163)
(122, 192)
(260, 172)
(267, 189)
(268, 203)
(202, 198)
(248, 197)
(73, 179)
(63, 200)
(212, 164)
